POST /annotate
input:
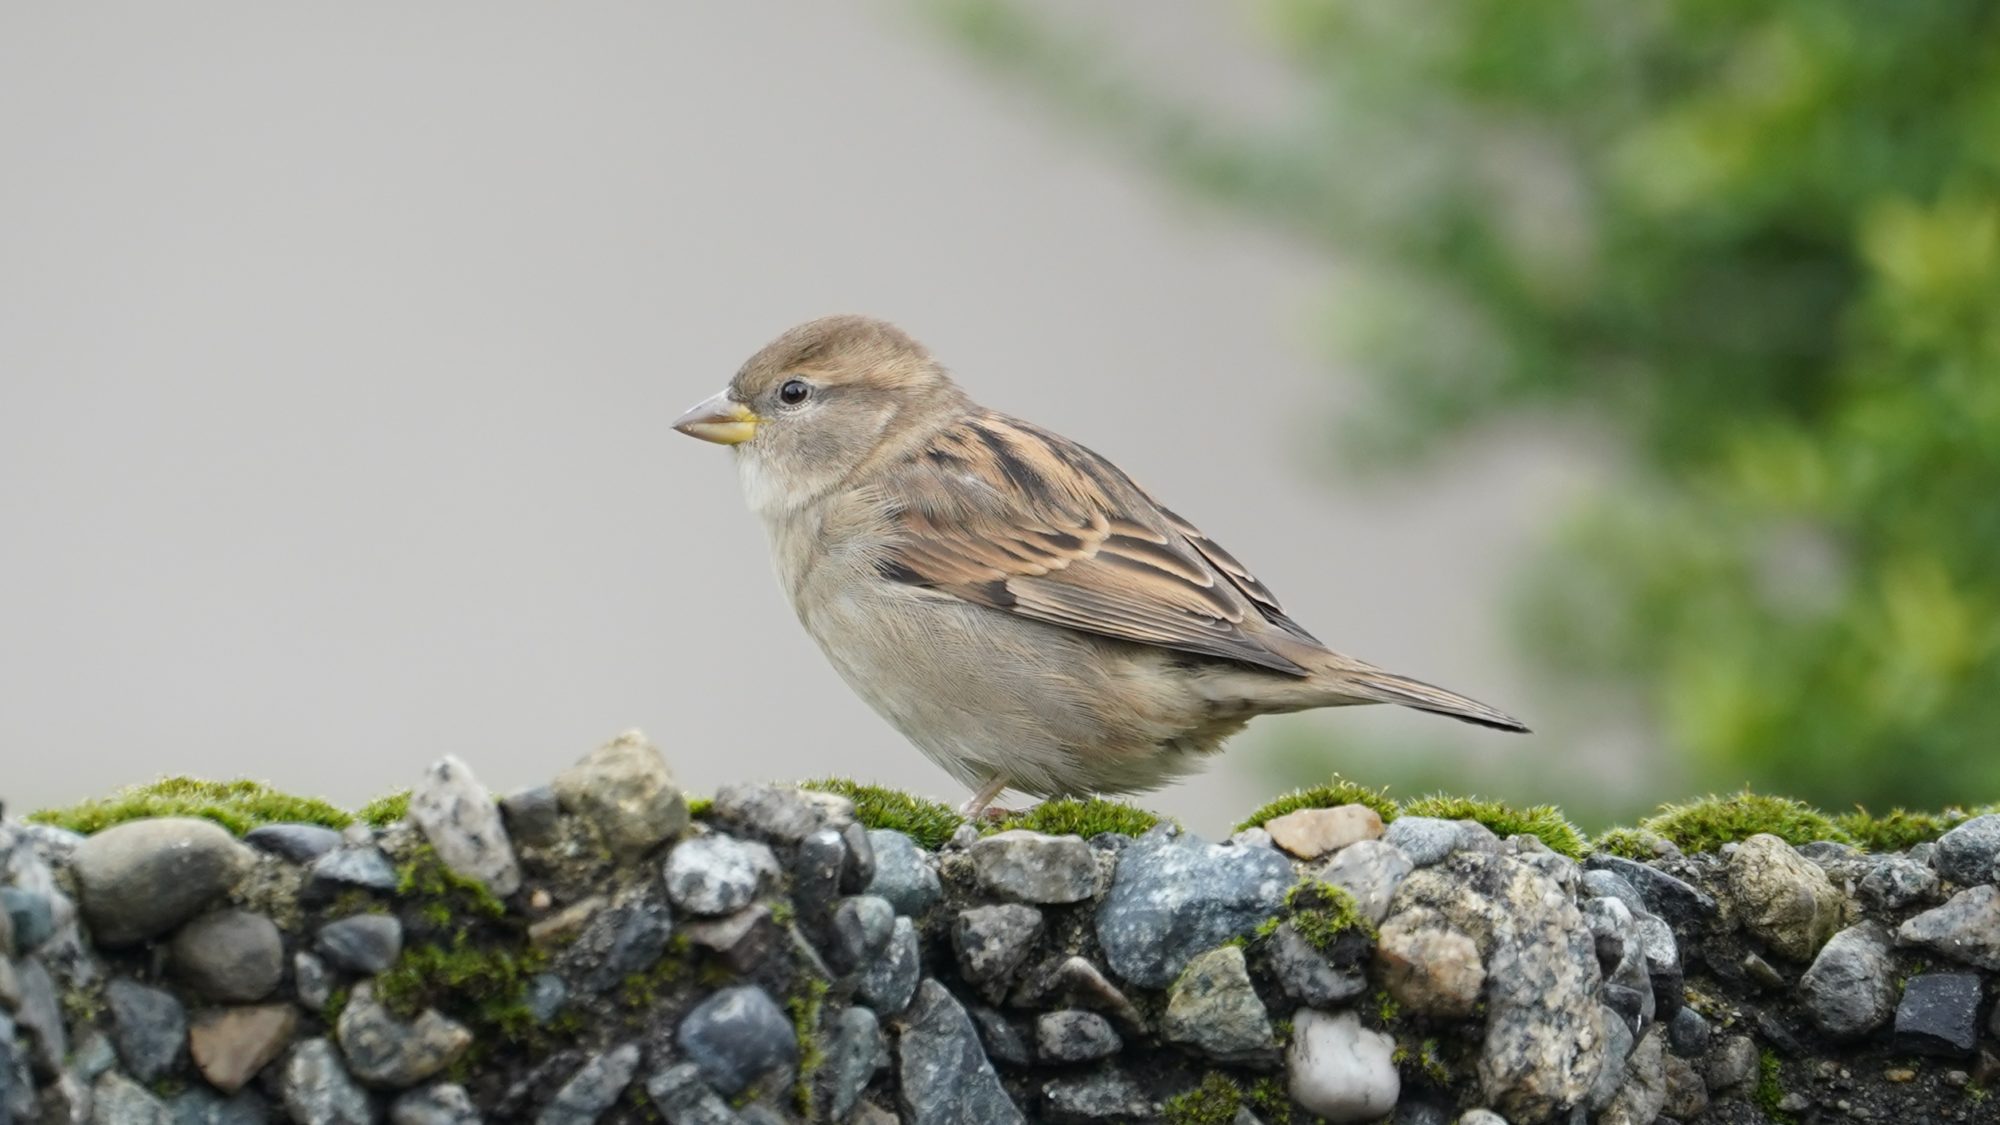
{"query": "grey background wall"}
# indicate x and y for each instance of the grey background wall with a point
(337, 347)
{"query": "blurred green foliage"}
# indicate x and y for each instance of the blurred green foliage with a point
(1756, 243)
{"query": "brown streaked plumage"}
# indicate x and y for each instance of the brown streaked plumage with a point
(1011, 601)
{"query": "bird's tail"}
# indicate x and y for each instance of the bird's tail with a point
(1372, 685)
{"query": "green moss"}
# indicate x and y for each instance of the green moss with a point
(336, 1003)
(1271, 1100)
(1322, 913)
(698, 808)
(1331, 795)
(1067, 816)
(1707, 824)
(806, 1008)
(238, 805)
(1215, 1102)
(929, 823)
(1386, 1008)
(1770, 1087)
(1544, 822)
(446, 895)
(1898, 829)
(386, 809)
(1631, 843)
(483, 986)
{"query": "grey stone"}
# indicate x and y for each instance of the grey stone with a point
(1370, 870)
(1966, 855)
(30, 919)
(385, 1051)
(1731, 1069)
(1660, 954)
(300, 843)
(311, 982)
(1544, 1026)
(1784, 900)
(862, 926)
(92, 1057)
(236, 956)
(855, 1050)
(1643, 1093)
(459, 817)
(1612, 928)
(1619, 1040)
(1030, 867)
(717, 874)
(1339, 1069)
(231, 1045)
(1966, 928)
(816, 867)
(737, 1035)
(992, 941)
(1309, 975)
(40, 1015)
(1084, 983)
(1686, 1094)
(365, 868)
(1479, 1117)
(533, 816)
(593, 1089)
(1850, 991)
(945, 1078)
(362, 943)
(1476, 837)
(1004, 1042)
(888, 982)
(903, 873)
(1071, 1035)
(744, 940)
(1107, 1095)
(1688, 1034)
(624, 790)
(199, 1106)
(149, 1026)
(546, 995)
(1939, 1014)
(1670, 898)
(1175, 896)
(144, 877)
(859, 870)
(684, 1099)
(1213, 1007)
(628, 937)
(440, 1103)
(780, 814)
(1426, 840)
(317, 1090)
(1603, 884)
(117, 1100)
(1896, 882)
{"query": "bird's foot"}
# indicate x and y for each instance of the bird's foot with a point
(975, 806)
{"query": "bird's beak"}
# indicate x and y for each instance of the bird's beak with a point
(721, 420)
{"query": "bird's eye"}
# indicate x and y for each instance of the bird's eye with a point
(794, 392)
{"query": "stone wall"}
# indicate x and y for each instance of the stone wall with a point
(591, 951)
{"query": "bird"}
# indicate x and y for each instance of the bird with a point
(1014, 604)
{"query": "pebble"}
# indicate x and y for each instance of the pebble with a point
(1312, 833)
(1688, 1034)
(533, 816)
(149, 1027)
(1896, 882)
(1480, 1117)
(117, 1100)
(1966, 928)
(459, 817)
(1213, 1007)
(1370, 870)
(625, 938)
(385, 1051)
(992, 941)
(1849, 991)
(1426, 840)
(780, 814)
(231, 1045)
(29, 921)
(1107, 1095)
(1309, 975)
(855, 1050)
(1030, 867)
(861, 929)
(593, 1089)
(1004, 1042)
(1175, 896)
(440, 1103)
(736, 1036)
(200, 1106)
(717, 874)
(39, 1014)
(363, 867)
(311, 981)
(235, 956)
(144, 877)
(1643, 1093)
(1085, 983)
(546, 995)
(684, 1099)
(888, 982)
(1680, 903)
(1731, 1069)
(362, 943)
(944, 1077)
(816, 868)
(317, 1090)
(1339, 1069)
(1939, 1014)
(1967, 854)
(624, 790)
(744, 940)
(1619, 1040)
(1785, 900)
(1686, 1095)
(1430, 968)
(299, 843)
(903, 873)
(1071, 1035)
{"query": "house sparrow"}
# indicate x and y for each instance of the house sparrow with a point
(1012, 602)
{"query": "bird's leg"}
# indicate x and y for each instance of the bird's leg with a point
(976, 804)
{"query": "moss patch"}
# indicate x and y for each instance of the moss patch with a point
(1331, 795)
(929, 823)
(1631, 843)
(386, 809)
(1707, 824)
(1898, 829)
(445, 894)
(1544, 822)
(1770, 1088)
(1068, 816)
(1271, 1100)
(698, 808)
(237, 805)
(1322, 913)
(1215, 1102)
(483, 986)
(806, 1008)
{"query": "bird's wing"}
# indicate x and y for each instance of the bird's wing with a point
(1006, 515)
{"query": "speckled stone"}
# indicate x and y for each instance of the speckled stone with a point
(144, 877)
(1030, 867)
(1175, 896)
(945, 1077)
(625, 791)
(460, 819)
